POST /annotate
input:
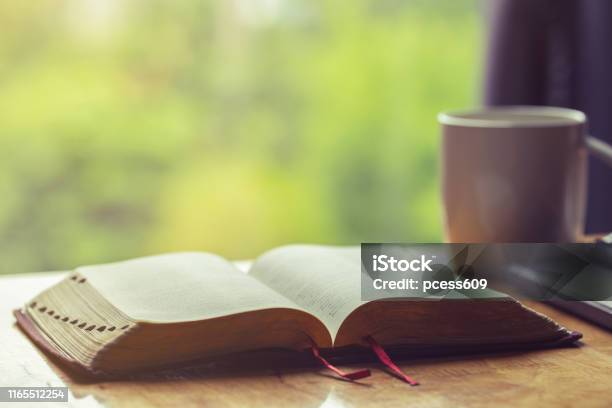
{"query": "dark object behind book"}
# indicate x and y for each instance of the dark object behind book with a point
(597, 312)
(531, 278)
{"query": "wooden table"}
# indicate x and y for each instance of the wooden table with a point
(548, 378)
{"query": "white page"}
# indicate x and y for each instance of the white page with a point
(180, 287)
(324, 280)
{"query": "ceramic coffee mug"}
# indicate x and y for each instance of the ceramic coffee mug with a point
(515, 174)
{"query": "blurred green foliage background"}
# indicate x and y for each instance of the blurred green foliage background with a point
(132, 127)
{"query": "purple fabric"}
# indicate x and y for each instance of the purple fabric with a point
(559, 53)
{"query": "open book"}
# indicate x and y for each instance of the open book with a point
(168, 309)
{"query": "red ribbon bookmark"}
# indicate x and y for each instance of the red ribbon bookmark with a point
(355, 375)
(386, 360)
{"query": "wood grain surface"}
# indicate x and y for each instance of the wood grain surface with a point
(569, 377)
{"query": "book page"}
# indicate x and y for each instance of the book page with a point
(324, 280)
(180, 287)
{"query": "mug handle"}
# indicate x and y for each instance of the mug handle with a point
(601, 150)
